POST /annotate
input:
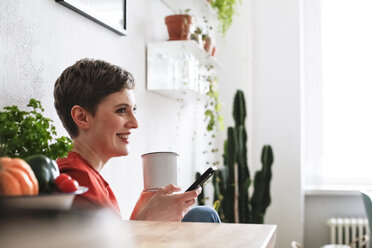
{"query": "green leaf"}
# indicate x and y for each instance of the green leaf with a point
(25, 133)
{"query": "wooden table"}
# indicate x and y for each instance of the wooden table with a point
(99, 229)
(173, 234)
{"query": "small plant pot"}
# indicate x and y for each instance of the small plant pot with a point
(178, 26)
(207, 44)
(213, 52)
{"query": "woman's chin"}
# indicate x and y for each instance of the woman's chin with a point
(125, 152)
(119, 154)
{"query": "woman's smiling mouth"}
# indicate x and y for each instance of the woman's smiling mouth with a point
(124, 137)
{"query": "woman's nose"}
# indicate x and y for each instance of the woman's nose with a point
(133, 122)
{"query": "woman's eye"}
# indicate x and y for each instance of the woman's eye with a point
(121, 110)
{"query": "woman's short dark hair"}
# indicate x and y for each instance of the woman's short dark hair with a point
(87, 83)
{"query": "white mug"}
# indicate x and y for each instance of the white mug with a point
(159, 170)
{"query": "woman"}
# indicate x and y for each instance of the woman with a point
(96, 105)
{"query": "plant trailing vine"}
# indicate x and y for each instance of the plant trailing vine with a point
(226, 9)
(213, 120)
(206, 37)
(213, 106)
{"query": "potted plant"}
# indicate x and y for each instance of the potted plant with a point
(197, 36)
(207, 42)
(179, 25)
(213, 51)
(25, 133)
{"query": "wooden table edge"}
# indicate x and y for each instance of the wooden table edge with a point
(271, 238)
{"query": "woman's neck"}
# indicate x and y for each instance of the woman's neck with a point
(89, 154)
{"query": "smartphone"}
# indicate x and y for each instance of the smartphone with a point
(202, 179)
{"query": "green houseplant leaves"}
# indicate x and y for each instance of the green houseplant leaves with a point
(233, 199)
(25, 133)
(226, 9)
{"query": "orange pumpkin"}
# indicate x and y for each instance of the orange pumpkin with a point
(17, 177)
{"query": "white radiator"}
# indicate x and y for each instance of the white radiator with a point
(349, 231)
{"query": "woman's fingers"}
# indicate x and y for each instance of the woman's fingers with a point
(168, 207)
(198, 190)
(169, 189)
(189, 195)
(189, 203)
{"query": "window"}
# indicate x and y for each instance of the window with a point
(338, 92)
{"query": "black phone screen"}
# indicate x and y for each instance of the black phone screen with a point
(202, 179)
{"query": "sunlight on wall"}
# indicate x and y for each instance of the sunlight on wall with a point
(347, 63)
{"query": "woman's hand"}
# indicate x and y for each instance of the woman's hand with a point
(163, 205)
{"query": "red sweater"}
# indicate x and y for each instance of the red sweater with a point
(99, 194)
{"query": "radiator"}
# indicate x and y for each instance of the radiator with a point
(349, 231)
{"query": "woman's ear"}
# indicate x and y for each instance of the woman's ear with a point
(80, 117)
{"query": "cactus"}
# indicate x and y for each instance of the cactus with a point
(261, 196)
(232, 182)
(230, 154)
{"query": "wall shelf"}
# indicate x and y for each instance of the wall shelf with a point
(179, 69)
(184, 46)
(183, 69)
(187, 95)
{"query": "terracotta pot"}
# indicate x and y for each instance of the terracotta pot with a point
(213, 53)
(207, 44)
(178, 26)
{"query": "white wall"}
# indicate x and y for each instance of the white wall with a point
(262, 55)
(276, 114)
(276, 119)
(236, 56)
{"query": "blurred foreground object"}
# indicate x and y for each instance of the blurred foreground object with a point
(50, 228)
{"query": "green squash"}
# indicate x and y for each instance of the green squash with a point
(46, 171)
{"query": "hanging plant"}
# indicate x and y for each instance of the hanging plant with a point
(226, 9)
(213, 118)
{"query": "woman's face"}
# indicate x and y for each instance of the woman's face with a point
(112, 124)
